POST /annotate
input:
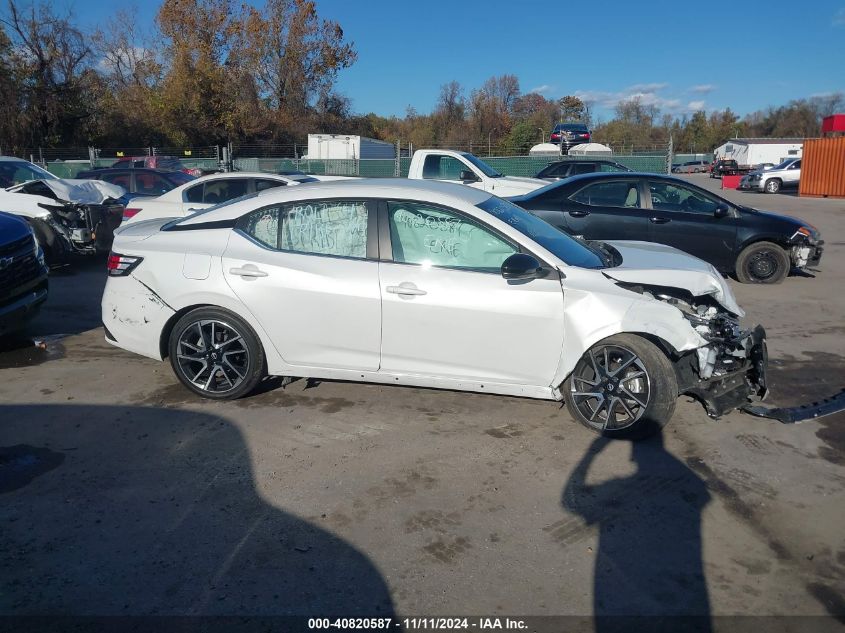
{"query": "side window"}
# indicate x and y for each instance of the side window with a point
(224, 189)
(337, 228)
(263, 225)
(795, 165)
(120, 178)
(262, 184)
(194, 194)
(442, 168)
(613, 193)
(583, 168)
(421, 234)
(151, 184)
(611, 167)
(671, 197)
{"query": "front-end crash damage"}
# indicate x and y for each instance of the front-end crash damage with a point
(805, 248)
(728, 369)
(82, 213)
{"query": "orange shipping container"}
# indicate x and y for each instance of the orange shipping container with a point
(823, 168)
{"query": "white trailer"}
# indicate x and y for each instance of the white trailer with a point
(347, 147)
(748, 152)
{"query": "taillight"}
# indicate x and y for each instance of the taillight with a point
(121, 265)
(130, 213)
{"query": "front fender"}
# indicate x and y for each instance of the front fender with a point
(590, 317)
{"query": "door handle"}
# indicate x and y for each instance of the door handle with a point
(658, 220)
(248, 270)
(405, 289)
(579, 214)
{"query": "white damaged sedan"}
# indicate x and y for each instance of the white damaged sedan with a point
(435, 285)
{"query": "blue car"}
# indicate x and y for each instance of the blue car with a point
(23, 274)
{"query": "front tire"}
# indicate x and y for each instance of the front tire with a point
(623, 387)
(762, 263)
(773, 185)
(52, 244)
(216, 354)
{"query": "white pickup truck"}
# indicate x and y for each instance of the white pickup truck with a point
(464, 168)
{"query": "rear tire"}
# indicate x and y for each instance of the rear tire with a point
(634, 399)
(762, 263)
(772, 185)
(216, 354)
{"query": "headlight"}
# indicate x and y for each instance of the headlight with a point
(808, 233)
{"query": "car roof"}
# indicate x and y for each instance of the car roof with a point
(134, 170)
(612, 175)
(402, 188)
(584, 160)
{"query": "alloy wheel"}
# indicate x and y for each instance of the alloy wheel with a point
(611, 387)
(213, 356)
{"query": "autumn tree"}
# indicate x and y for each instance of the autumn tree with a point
(51, 60)
(294, 56)
(194, 98)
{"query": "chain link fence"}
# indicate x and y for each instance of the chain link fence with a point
(270, 158)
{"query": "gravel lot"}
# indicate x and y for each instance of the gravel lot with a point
(120, 493)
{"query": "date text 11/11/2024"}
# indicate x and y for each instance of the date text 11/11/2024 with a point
(418, 624)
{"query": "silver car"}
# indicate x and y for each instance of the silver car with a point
(787, 174)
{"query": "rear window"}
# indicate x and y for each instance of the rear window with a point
(572, 127)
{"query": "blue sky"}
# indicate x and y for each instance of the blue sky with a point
(665, 51)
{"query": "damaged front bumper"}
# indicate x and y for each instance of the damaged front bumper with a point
(728, 374)
(86, 228)
(805, 248)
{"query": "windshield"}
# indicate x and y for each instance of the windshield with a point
(14, 172)
(784, 164)
(483, 167)
(570, 250)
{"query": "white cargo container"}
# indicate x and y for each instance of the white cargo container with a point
(345, 146)
(748, 152)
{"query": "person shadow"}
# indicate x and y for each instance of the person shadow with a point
(649, 573)
(143, 511)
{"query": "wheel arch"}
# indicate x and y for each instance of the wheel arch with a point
(780, 240)
(164, 339)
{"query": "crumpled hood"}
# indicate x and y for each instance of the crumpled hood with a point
(84, 191)
(661, 265)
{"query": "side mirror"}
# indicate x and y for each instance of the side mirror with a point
(521, 266)
(468, 176)
(722, 211)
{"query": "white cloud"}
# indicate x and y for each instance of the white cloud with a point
(545, 88)
(124, 59)
(703, 89)
(653, 87)
(839, 18)
(648, 94)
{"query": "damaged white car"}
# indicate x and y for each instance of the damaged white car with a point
(435, 285)
(67, 216)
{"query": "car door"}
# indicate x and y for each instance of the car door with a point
(792, 174)
(694, 221)
(449, 169)
(302, 269)
(448, 312)
(605, 209)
